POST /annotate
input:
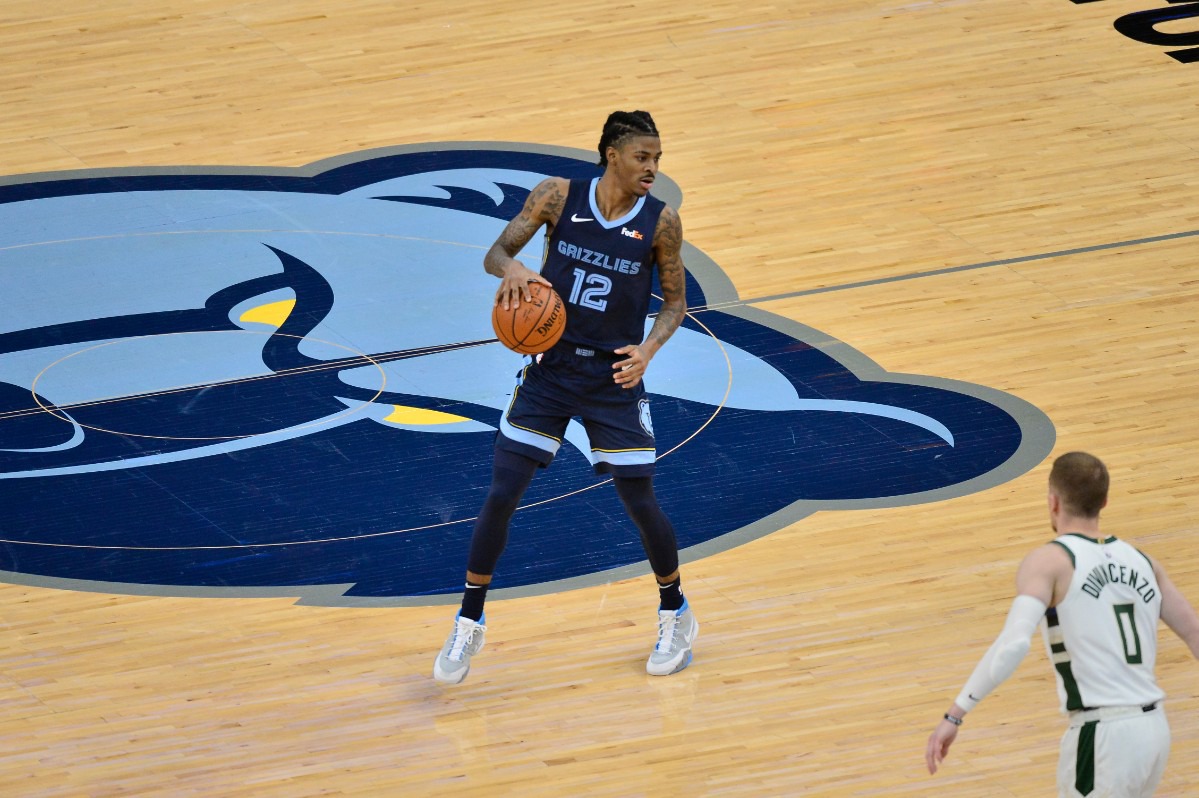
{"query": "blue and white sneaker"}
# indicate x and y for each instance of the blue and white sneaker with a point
(453, 663)
(677, 630)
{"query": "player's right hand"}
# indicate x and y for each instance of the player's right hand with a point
(515, 285)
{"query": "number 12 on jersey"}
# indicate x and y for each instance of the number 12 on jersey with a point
(589, 290)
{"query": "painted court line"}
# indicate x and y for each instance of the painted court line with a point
(952, 269)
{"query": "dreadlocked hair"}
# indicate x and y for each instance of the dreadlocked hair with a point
(622, 125)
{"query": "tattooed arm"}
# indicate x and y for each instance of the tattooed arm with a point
(668, 244)
(543, 207)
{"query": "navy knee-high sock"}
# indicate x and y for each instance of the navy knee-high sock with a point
(510, 477)
(657, 535)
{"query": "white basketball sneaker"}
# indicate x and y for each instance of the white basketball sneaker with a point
(453, 663)
(677, 630)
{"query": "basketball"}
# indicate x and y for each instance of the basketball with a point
(534, 325)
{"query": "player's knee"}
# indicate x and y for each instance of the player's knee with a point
(636, 491)
(500, 505)
(645, 513)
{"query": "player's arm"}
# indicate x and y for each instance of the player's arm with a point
(667, 249)
(1177, 612)
(1040, 583)
(542, 207)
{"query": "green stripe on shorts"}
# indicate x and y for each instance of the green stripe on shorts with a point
(1084, 765)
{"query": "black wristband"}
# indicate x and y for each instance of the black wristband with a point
(953, 720)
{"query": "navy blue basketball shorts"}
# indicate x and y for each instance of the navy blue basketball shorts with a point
(574, 382)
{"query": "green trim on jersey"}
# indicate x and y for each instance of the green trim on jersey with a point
(1068, 551)
(1069, 683)
(1110, 539)
(1073, 698)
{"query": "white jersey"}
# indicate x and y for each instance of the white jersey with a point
(1102, 637)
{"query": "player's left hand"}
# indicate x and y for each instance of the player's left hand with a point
(630, 370)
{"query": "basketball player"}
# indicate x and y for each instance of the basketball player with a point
(605, 236)
(1101, 600)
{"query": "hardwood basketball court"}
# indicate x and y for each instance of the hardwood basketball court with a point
(997, 194)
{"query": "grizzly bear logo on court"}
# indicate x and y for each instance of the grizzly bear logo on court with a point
(284, 382)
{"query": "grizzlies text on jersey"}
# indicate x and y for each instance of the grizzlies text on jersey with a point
(602, 268)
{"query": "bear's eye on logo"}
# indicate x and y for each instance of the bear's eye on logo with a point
(285, 383)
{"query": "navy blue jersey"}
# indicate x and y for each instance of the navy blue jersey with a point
(603, 269)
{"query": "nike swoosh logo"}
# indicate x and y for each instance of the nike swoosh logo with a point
(574, 217)
(691, 633)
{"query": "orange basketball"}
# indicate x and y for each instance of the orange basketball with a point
(533, 326)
